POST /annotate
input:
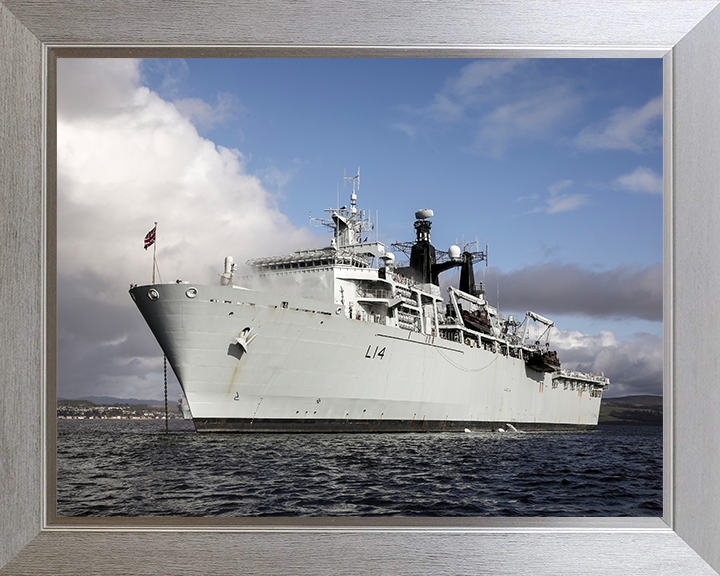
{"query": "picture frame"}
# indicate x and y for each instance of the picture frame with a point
(34, 541)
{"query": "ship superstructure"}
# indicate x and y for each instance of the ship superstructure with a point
(340, 339)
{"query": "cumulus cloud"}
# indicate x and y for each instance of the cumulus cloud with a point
(95, 87)
(126, 159)
(276, 178)
(173, 73)
(622, 292)
(203, 115)
(634, 366)
(635, 129)
(642, 179)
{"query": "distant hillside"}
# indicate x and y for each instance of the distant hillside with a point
(110, 400)
(640, 400)
(645, 410)
(88, 410)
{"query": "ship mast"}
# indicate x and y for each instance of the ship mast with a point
(154, 254)
(347, 223)
(355, 182)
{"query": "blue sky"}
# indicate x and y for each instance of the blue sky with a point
(555, 163)
(488, 154)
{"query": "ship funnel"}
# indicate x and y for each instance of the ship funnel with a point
(422, 255)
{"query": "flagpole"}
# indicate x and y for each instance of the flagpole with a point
(154, 253)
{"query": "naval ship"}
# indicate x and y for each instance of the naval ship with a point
(340, 339)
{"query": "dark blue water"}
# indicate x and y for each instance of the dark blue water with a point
(132, 468)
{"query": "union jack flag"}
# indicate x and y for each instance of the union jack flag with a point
(150, 238)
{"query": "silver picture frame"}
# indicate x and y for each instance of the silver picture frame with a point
(685, 33)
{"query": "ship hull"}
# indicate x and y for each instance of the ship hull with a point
(251, 361)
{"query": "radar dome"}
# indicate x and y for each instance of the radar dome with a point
(389, 257)
(454, 252)
(424, 214)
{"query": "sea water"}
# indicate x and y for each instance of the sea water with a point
(133, 468)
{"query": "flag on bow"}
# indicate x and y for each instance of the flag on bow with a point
(150, 238)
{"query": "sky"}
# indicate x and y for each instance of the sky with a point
(554, 164)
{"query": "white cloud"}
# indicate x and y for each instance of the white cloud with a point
(557, 202)
(276, 178)
(559, 186)
(566, 203)
(471, 85)
(479, 74)
(128, 158)
(203, 115)
(406, 128)
(474, 83)
(143, 161)
(444, 109)
(527, 119)
(92, 87)
(642, 179)
(496, 114)
(634, 366)
(174, 71)
(531, 197)
(635, 129)
(574, 340)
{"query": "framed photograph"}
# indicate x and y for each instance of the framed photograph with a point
(230, 154)
(685, 539)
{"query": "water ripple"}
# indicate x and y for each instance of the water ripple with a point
(132, 468)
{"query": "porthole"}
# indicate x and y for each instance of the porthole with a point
(191, 292)
(153, 294)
